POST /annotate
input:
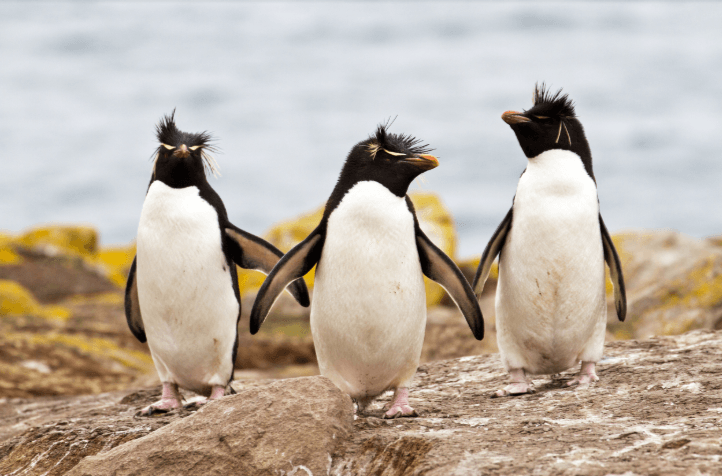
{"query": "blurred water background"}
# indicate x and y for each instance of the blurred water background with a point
(287, 89)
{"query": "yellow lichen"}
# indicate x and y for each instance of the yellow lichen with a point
(15, 300)
(7, 253)
(93, 346)
(115, 262)
(8, 256)
(284, 236)
(702, 287)
(61, 239)
(112, 299)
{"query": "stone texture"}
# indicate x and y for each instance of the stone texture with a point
(286, 427)
(49, 436)
(674, 284)
(656, 410)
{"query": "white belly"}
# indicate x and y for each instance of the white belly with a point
(550, 302)
(186, 296)
(369, 304)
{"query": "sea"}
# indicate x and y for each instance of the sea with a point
(287, 88)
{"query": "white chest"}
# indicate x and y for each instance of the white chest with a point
(550, 295)
(369, 310)
(185, 291)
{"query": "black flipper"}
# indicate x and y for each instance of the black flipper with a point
(615, 271)
(493, 248)
(439, 267)
(132, 305)
(293, 265)
(251, 252)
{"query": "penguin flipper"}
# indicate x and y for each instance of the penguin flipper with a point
(615, 271)
(493, 248)
(292, 266)
(439, 267)
(132, 305)
(251, 252)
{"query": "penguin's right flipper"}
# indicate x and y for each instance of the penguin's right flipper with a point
(615, 271)
(251, 252)
(292, 266)
(493, 248)
(132, 305)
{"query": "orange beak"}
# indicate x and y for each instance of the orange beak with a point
(423, 161)
(513, 117)
(182, 152)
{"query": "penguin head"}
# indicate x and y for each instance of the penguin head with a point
(182, 158)
(393, 160)
(550, 124)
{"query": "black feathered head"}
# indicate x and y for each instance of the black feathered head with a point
(393, 160)
(395, 144)
(182, 152)
(551, 123)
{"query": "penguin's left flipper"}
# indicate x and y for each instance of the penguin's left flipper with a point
(493, 248)
(615, 271)
(251, 252)
(292, 266)
(439, 267)
(132, 305)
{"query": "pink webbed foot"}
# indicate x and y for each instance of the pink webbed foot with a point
(170, 400)
(216, 393)
(519, 385)
(400, 405)
(587, 374)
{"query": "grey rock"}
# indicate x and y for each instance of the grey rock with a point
(674, 284)
(287, 427)
(657, 409)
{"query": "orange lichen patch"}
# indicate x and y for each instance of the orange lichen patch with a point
(61, 239)
(8, 255)
(115, 261)
(249, 280)
(15, 300)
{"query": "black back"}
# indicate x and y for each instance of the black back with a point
(552, 124)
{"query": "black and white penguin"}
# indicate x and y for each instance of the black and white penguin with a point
(369, 307)
(182, 293)
(551, 307)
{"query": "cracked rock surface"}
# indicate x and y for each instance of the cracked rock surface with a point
(657, 409)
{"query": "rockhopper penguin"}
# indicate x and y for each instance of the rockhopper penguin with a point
(182, 293)
(369, 308)
(551, 307)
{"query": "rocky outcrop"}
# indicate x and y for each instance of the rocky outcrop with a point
(674, 283)
(63, 330)
(287, 427)
(656, 410)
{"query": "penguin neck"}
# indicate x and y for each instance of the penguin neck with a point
(181, 176)
(558, 172)
(346, 184)
(561, 162)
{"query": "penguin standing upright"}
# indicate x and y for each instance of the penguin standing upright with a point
(551, 307)
(368, 317)
(182, 293)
